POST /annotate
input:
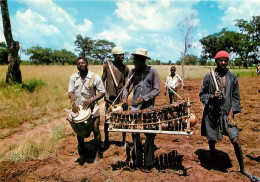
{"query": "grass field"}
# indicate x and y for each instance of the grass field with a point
(47, 101)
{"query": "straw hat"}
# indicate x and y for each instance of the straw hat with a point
(117, 50)
(141, 52)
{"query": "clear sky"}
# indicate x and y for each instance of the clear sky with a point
(152, 25)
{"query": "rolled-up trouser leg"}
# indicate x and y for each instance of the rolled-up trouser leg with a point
(138, 149)
(149, 150)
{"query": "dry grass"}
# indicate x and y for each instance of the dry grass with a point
(28, 148)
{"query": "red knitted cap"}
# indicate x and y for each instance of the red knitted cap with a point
(222, 54)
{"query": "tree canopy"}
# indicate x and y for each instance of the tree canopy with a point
(84, 44)
(93, 49)
(244, 45)
(39, 55)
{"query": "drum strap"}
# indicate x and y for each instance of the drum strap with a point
(91, 81)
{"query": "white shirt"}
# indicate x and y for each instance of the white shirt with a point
(173, 81)
(82, 90)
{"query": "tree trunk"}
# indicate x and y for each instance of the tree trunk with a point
(13, 74)
(244, 62)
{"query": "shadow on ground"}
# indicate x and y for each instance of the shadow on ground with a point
(222, 160)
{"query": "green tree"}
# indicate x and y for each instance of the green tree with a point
(3, 53)
(40, 55)
(84, 44)
(191, 60)
(101, 49)
(252, 31)
(67, 57)
(244, 44)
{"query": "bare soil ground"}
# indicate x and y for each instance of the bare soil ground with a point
(190, 156)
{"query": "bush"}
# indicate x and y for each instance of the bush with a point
(32, 85)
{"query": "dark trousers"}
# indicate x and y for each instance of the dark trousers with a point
(97, 136)
(172, 96)
(148, 149)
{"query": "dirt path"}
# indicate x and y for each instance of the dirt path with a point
(189, 156)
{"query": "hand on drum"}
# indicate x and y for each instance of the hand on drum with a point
(87, 103)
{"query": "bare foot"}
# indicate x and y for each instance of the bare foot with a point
(244, 172)
(250, 176)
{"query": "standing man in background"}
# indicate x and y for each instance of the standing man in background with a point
(114, 77)
(174, 81)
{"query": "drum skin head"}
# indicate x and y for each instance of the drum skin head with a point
(81, 115)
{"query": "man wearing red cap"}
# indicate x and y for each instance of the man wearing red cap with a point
(220, 105)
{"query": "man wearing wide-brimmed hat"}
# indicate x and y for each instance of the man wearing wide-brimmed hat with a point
(146, 85)
(114, 77)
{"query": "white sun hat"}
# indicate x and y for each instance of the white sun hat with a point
(141, 52)
(117, 50)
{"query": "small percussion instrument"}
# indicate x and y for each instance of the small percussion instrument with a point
(81, 121)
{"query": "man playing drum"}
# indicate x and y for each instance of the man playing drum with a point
(114, 78)
(82, 91)
(146, 85)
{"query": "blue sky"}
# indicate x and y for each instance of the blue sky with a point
(152, 25)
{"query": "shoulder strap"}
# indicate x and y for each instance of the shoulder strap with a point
(91, 81)
(112, 73)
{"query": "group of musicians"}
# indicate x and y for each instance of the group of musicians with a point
(86, 88)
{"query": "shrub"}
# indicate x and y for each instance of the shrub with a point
(32, 85)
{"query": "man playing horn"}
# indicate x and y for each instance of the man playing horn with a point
(146, 85)
(114, 77)
(173, 81)
(82, 91)
(221, 100)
